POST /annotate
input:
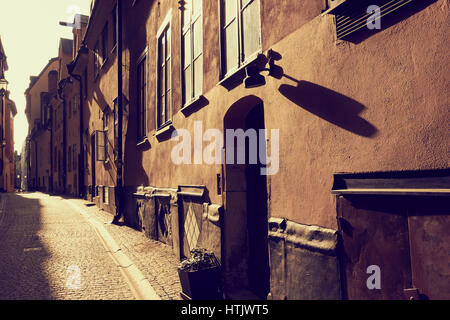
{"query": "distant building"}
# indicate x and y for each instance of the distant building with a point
(7, 113)
(18, 171)
(38, 94)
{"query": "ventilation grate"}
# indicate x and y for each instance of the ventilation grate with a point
(352, 16)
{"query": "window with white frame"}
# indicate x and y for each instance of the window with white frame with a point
(116, 128)
(105, 195)
(105, 131)
(142, 96)
(100, 145)
(240, 29)
(96, 61)
(164, 75)
(192, 50)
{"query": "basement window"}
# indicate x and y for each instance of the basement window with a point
(353, 16)
(105, 195)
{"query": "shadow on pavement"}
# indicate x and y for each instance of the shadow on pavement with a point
(22, 254)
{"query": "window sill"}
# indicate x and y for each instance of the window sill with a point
(197, 102)
(235, 77)
(164, 129)
(141, 141)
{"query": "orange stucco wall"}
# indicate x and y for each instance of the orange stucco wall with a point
(39, 175)
(377, 105)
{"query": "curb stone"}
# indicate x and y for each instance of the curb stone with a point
(136, 280)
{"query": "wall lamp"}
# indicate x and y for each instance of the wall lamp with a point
(253, 77)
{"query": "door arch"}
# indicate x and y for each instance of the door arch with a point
(245, 256)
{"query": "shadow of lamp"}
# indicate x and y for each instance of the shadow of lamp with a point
(253, 77)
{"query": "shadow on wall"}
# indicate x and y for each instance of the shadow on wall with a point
(329, 105)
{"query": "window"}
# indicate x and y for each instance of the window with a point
(100, 145)
(56, 160)
(105, 43)
(116, 128)
(142, 96)
(105, 131)
(59, 161)
(75, 104)
(105, 195)
(240, 33)
(85, 83)
(69, 159)
(75, 157)
(114, 18)
(96, 61)
(192, 50)
(164, 76)
(105, 121)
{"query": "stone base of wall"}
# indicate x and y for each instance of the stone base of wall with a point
(303, 262)
(160, 212)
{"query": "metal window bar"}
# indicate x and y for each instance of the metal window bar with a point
(351, 18)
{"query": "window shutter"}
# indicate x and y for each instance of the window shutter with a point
(230, 35)
(250, 28)
(100, 143)
(352, 15)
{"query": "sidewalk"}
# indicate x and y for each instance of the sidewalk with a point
(155, 260)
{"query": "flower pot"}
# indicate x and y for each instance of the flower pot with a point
(201, 284)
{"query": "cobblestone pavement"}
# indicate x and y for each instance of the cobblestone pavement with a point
(154, 259)
(49, 251)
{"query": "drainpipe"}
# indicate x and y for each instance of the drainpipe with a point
(119, 182)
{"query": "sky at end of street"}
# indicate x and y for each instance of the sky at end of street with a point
(30, 34)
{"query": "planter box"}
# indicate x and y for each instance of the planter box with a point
(200, 285)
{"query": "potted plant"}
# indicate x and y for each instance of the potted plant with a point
(199, 276)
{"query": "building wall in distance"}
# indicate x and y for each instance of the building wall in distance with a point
(39, 152)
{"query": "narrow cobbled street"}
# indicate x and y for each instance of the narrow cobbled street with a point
(51, 249)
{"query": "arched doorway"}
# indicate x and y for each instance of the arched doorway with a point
(245, 257)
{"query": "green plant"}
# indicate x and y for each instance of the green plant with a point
(200, 259)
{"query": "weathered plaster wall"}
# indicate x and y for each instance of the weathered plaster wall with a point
(41, 143)
(372, 106)
(101, 93)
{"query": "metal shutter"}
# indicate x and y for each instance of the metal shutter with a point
(352, 16)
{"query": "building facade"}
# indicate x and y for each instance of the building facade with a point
(7, 113)
(37, 110)
(303, 143)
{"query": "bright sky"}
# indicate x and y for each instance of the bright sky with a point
(30, 33)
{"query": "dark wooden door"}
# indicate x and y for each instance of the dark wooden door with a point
(429, 225)
(374, 233)
(406, 237)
